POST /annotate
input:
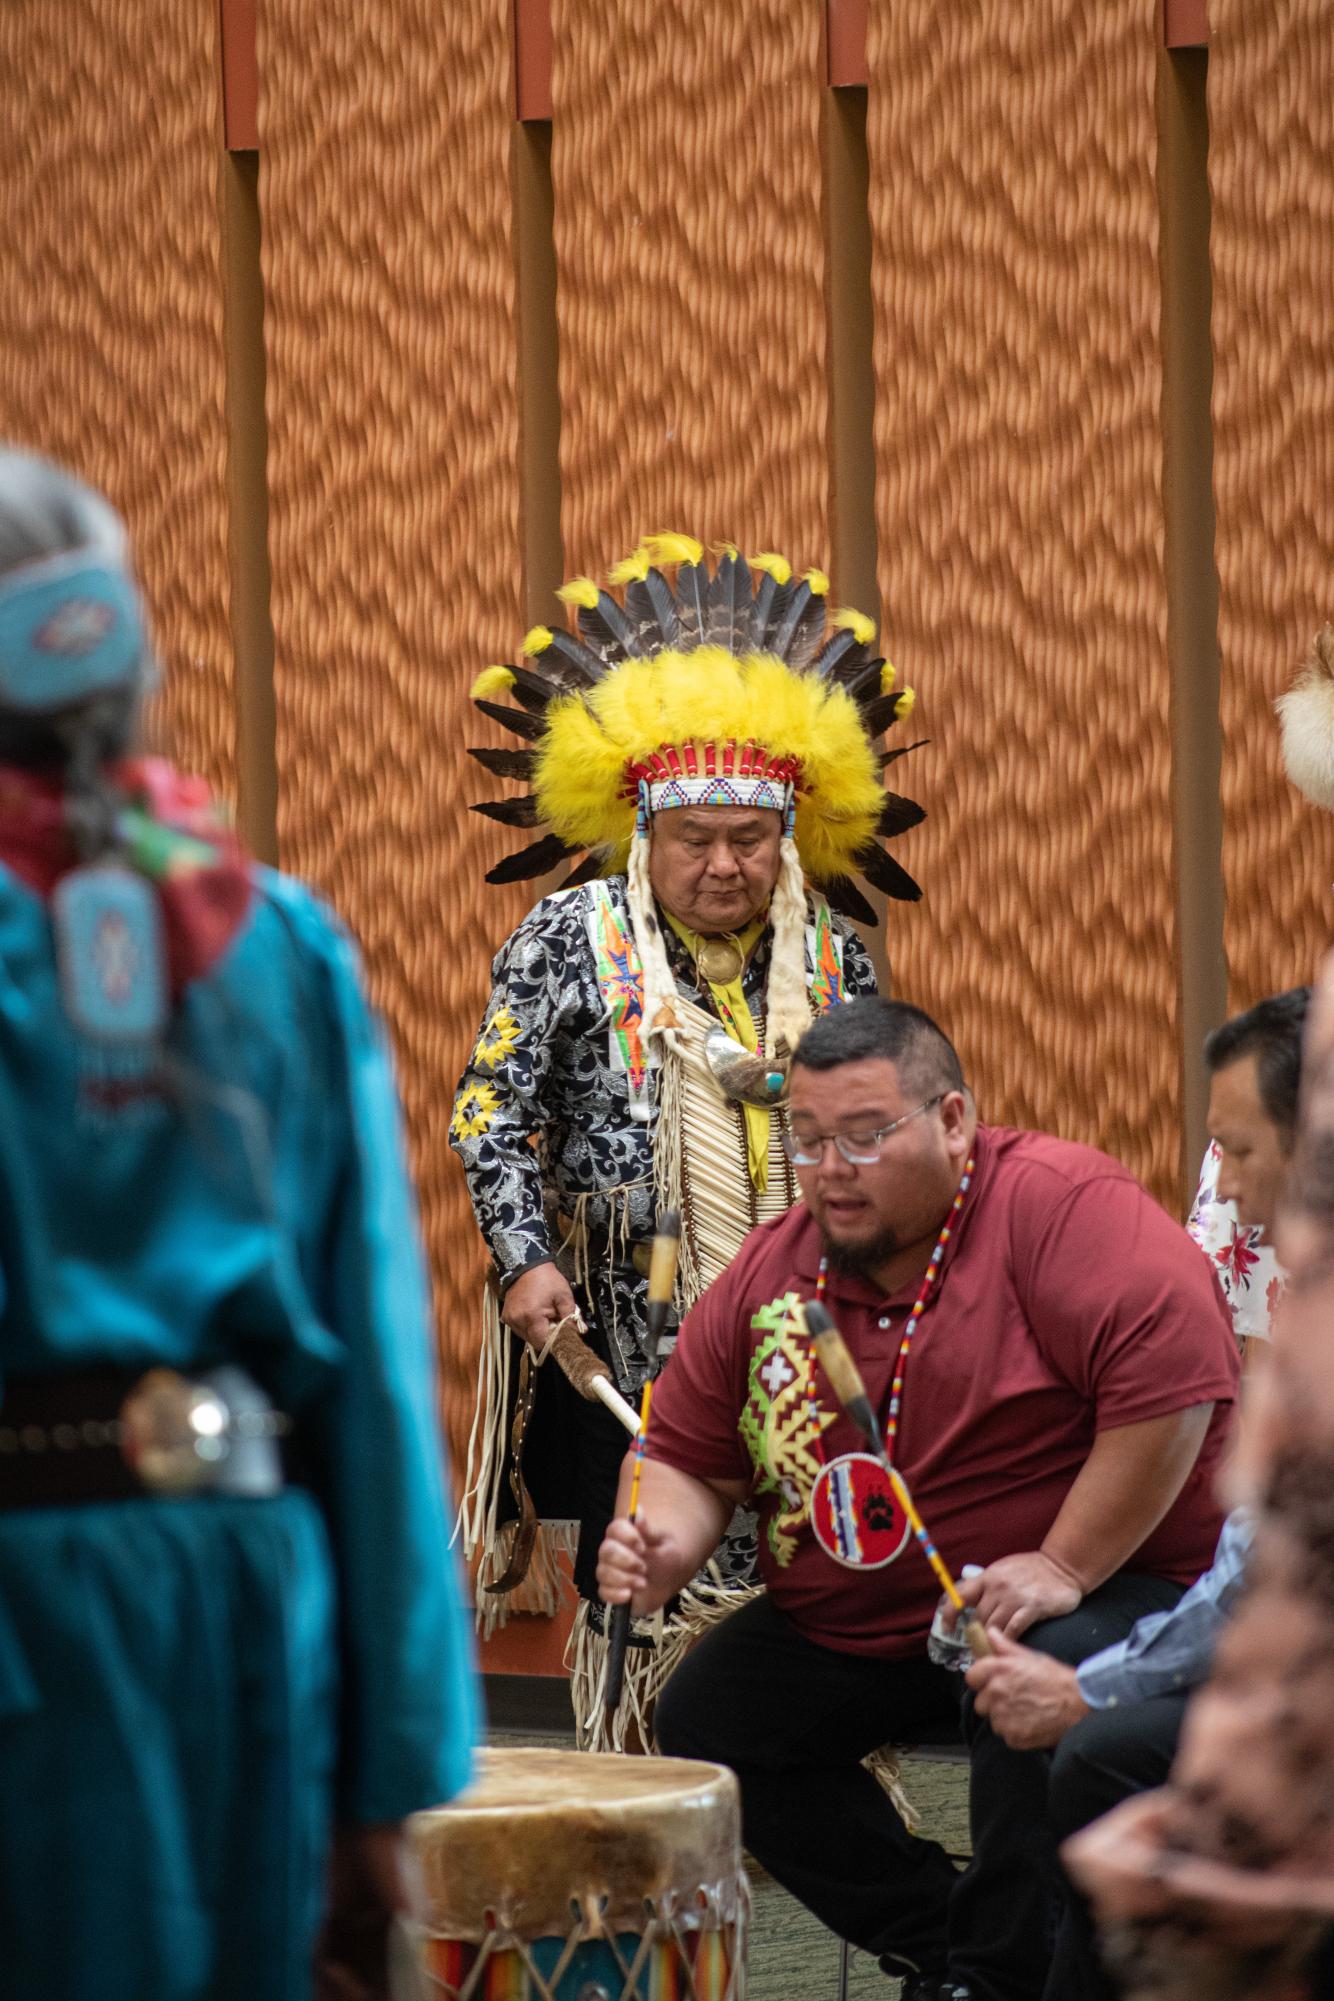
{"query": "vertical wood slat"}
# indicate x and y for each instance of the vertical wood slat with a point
(393, 456)
(691, 260)
(532, 59)
(1018, 444)
(248, 510)
(111, 310)
(239, 29)
(1192, 580)
(845, 43)
(1271, 174)
(1185, 24)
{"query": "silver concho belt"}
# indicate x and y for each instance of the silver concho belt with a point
(171, 1435)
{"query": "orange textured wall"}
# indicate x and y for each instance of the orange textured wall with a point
(1017, 422)
(1018, 444)
(1271, 176)
(111, 307)
(393, 440)
(686, 162)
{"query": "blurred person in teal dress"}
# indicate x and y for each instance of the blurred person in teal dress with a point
(229, 1619)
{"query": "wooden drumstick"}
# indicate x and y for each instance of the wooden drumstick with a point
(846, 1380)
(661, 1281)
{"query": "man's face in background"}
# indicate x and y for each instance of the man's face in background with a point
(1254, 1153)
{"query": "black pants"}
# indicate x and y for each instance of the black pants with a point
(794, 1720)
(1107, 1758)
(572, 1464)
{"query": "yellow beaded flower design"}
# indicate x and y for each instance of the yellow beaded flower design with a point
(498, 1038)
(474, 1110)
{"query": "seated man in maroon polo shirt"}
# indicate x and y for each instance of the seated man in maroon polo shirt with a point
(1055, 1373)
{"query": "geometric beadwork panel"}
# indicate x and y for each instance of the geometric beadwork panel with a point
(690, 276)
(1271, 184)
(1018, 441)
(111, 310)
(394, 524)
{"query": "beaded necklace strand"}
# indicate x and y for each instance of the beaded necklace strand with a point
(919, 1307)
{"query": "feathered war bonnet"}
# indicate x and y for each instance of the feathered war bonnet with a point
(726, 687)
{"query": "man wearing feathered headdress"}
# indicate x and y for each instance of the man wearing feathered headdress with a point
(708, 744)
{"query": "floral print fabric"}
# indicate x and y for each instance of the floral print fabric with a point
(542, 1117)
(1247, 1269)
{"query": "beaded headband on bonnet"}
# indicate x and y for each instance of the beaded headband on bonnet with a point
(728, 687)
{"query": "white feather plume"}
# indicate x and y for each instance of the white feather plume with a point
(1306, 723)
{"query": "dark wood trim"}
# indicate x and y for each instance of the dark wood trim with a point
(532, 60)
(845, 42)
(1185, 24)
(525, 1703)
(240, 75)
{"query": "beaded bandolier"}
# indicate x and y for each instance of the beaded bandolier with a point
(624, 1064)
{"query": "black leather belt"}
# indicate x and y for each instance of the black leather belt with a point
(113, 1434)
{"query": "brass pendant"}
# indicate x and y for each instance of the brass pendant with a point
(720, 960)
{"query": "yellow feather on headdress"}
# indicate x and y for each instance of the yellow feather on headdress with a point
(672, 548)
(491, 681)
(579, 591)
(774, 566)
(857, 623)
(710, 696)
(536, 641)
(632, 568)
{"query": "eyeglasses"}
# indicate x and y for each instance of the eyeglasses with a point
(858, 1149)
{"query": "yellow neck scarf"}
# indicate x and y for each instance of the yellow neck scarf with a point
(734, 1010)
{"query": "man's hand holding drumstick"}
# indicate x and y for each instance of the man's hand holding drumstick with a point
(646, 1556)
(540, 1308)
(679, 1524)
(538, 1300)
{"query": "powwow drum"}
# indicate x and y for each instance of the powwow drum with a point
(578, 1876)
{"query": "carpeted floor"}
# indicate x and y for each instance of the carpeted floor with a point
(792, 1956)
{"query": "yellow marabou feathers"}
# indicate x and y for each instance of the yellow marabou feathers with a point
(491, 681)
(710, 696)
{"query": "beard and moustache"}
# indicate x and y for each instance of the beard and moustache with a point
(861, 1260)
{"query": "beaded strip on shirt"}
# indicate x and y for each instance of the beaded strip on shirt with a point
(919, 1307)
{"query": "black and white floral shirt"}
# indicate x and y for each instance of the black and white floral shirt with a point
(541, 1116)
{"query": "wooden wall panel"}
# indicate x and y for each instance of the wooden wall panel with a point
(686, 161)
(394, 521)
(1015, 232)
(111, 307)
(1271, 176)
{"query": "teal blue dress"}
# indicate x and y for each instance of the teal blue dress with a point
(191, 1690)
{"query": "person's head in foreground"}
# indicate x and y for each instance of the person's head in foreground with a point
(74, 654)
(1218, 1887)
(881, 1128)
(1255, 1064)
